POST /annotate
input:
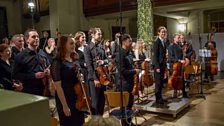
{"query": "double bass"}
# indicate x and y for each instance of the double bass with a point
(213, 59)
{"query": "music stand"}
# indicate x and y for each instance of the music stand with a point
(204, 54)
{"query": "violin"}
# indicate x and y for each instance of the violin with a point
(147, 78)
(83, 101)
(48, 84)
(104, 77)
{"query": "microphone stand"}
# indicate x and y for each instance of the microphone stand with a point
(120, 46)
(201, 94)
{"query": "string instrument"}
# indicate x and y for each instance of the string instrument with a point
(147, 78)
(136, 79)
(112, 66)
(166, 72)
(48, 85)
(187, 59)
(104, 77)
(83, 101)
(213, 59)
(176, 80)
(101, 69)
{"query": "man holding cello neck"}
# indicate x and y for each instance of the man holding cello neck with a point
(175, 55)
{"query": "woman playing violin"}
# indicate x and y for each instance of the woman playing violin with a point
(65, 78)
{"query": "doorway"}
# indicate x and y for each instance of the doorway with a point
(3, 23)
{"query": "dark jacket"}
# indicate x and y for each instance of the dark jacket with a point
(91, 52)
(159, 57)
(126, 67)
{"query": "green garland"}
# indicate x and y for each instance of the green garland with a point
(145, 21)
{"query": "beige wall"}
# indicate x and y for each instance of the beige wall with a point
(13, 12)
(67, 16)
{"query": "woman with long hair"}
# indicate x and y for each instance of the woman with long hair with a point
(65, 78)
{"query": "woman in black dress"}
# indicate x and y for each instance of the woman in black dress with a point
(65, 78)
(6, 81)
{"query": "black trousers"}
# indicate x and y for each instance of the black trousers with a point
(97, 97)
(159, 79)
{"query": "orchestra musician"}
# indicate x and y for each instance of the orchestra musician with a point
(187, 48)
(140, 56)
(30, 66)
(18, 41)
(80, 43)
(210, 45)
(95, 56)
(175, 54)
(126, 68)
(65, 78)
(115, 46)
(159, 63)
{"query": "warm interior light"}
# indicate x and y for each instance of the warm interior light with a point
(181, 27)
(31, 5)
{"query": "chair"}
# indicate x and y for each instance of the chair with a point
(113, 100)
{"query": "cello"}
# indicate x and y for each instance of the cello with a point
(147, 78)
(136, 80)
(176, 79)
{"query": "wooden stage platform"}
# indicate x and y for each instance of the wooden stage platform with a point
(173, 106)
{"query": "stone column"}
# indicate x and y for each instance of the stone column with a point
(145, 20)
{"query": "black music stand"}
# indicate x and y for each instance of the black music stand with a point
(204, 55)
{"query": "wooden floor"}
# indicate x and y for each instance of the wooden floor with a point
(202, 111)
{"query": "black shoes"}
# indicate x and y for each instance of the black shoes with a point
(161, 101)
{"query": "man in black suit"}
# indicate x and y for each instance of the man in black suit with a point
(159, 62)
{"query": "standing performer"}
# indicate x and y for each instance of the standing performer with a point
(65, 78)
(211, 62)
(95, 56)
(159, 63)
(126, 68)
(80, 43)
(188, 51)
(175, 54)
(31, 67)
